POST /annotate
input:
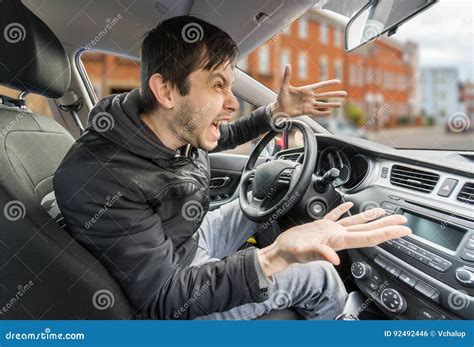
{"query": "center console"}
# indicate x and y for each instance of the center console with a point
(427, 275)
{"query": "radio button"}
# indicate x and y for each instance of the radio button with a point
(441, 267)
(422, 258)
(376, 278)
(470, 244)
(425, 253)
(402, 241)
(465, 276)
(381, 261)
(442, 262)
(467, 255)
(372, 285)
(426, 313)
(427, 290)
(394, 270)
(408, 279)
(413, 247)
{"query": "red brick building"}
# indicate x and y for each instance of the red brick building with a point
(380, 78)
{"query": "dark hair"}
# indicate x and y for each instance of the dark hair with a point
(177, 47)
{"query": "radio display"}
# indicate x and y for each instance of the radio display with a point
(439, 232)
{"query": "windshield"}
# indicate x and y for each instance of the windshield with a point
(412, 90)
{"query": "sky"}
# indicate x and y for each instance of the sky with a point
(445, 36)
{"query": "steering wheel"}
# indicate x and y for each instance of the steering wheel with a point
(273, 188)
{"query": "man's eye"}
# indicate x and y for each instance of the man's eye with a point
(219, 85)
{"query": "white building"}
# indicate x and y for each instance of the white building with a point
(439, 93)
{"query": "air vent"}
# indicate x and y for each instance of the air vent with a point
(407, 177)
(466, 194)
(292, 157)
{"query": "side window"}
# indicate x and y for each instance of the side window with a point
(36, 103)
(110, 74)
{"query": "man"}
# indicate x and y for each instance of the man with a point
(134, 190)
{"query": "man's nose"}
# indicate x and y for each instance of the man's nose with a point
(231, 103)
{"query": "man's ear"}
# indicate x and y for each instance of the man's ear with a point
(162, 90)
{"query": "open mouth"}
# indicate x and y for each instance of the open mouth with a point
(219, 122)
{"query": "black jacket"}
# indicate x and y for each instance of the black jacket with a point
(136, 205)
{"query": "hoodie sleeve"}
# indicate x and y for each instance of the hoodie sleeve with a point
(244, 129)
(108, 215)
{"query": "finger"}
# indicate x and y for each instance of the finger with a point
(323, 84)
(336, 213)
(337, 94)
(287, 74)
(317, 112)
(384, 222)
(327, 253)
(363, 217)
(372, 238)
(327, 104)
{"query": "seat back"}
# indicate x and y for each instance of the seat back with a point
(44, 272)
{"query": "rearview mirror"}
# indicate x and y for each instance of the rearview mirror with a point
(379, 17)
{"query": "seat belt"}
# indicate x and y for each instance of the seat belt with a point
(72, 103)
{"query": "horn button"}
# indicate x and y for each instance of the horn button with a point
(270, 176)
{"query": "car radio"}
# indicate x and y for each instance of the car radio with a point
(436, 261)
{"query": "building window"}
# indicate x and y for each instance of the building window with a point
(263, 61)
(323, 69)
(303, 28)
(302, 66)
(338, 70)
(285, 59)
(378, 77)
(370, 76)
(360, 76)
(352, 74)
(337, 37)
(323, 33)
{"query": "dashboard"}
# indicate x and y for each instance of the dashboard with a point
(429, 274)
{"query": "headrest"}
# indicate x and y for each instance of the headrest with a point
(31, 57)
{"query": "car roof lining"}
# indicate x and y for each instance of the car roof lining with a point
(118, 26)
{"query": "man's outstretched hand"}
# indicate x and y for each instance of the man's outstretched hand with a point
(307, 100)
(319, 240)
